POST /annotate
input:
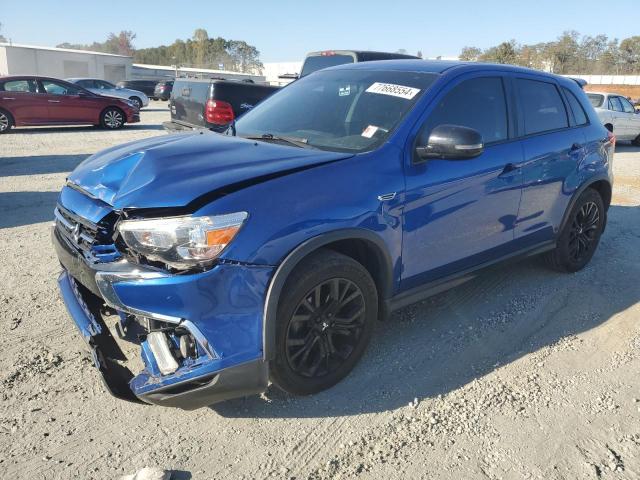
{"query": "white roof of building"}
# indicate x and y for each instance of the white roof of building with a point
(56, 49)
(190, 69)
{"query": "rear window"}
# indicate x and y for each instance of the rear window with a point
(615, 104)
(542, 106)
(576, 107)
(595, 99)
(318, 62)
(19, 86)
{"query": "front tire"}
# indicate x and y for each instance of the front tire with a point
(137, 102)
(580, 236)
(6, 121)
(325, 319)
(112, 119)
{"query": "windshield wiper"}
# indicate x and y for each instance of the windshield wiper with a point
(270, 137)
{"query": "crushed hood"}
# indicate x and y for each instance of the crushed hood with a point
(174, 170)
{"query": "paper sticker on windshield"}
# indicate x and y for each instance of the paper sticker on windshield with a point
(393, 90)
(370, 131)
(344, 91)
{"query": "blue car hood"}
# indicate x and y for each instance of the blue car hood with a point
(174, 170)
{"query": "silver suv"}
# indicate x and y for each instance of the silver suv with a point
(617, 112)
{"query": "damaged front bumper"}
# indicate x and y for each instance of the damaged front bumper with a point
(221, 310)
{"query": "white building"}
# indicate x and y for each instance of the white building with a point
(141, 71)
(273, 72)
(62, 62)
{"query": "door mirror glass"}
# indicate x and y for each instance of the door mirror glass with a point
(451, 142)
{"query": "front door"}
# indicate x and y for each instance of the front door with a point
(66, 105)
(461, 213)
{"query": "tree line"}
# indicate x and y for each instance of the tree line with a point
(570, 53)
(199, 51)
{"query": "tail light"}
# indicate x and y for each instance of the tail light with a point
(218, 112)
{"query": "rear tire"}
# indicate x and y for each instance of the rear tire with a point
(112, 119)
(580, 236)
(6, 121)
(325, 319)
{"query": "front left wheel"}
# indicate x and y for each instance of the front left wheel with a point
(325, 319)
(112, 118)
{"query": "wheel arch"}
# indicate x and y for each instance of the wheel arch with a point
(8, 112)
(600, 184)
(362, 245)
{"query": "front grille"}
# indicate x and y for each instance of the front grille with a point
(93, 240)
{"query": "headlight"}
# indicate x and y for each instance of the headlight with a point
(181, 242)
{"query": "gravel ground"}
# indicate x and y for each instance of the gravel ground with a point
(520, 374)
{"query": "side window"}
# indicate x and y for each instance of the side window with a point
(86, 83)
(478, 103)
(20, 86)
(626, 105)
(615, 104)
(542, 106)
(55, 88)
(576, 107)
(103, 85)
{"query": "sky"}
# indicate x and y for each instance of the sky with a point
(286, 30)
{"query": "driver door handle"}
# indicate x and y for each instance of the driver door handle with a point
(53, 101)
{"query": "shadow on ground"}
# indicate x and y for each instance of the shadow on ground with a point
(25, 208)
(39, 164)
(446, 342)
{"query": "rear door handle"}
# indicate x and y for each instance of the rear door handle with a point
(8, 98)
(54, 101)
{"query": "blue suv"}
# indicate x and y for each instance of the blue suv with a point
(267, 254)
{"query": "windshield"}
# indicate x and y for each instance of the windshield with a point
(339, 110)
(595, 99)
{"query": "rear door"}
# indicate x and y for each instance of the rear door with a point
(620, 126)
(20, 97)
(552, 148)
(631, 119)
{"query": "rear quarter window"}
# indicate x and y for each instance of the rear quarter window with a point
(19, 86)
(595, 99)
(541, 106)
(576, 107)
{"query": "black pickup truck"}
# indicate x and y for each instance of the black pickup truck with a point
(214, 103)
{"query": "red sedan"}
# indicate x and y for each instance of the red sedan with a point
(30, 100)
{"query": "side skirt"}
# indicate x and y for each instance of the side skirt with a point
(440, 285)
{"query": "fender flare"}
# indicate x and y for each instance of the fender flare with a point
(291, 261)
(577, 193)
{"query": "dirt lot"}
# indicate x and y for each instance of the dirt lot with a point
(519, 374)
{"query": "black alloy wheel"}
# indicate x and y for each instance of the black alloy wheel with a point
(324, 322)
(579, 238)
(325, 328)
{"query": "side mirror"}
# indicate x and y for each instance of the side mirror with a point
(82, 93)
(452, 142)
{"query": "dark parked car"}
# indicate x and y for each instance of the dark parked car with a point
(162, 90)
(212, 104)
(29, 100)
(147, 87)
(352, 192)
(315, 61)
